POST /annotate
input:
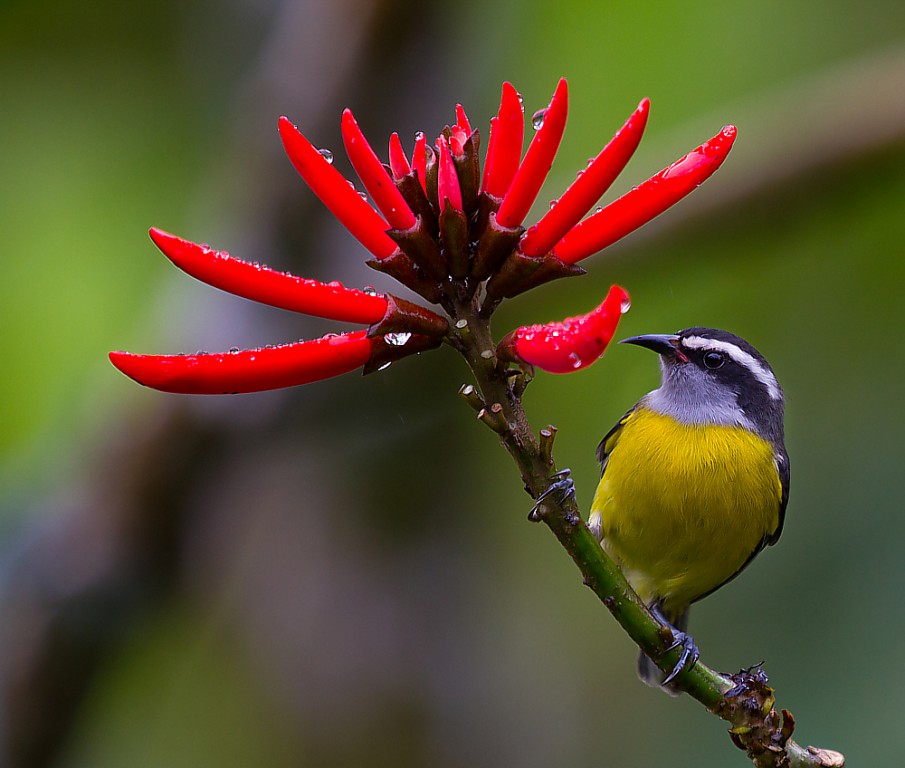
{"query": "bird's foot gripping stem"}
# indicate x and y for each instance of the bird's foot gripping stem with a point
(680, 639)
(689, 657)
(561, 487)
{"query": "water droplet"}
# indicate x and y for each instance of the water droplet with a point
(626, 305)
(537, 119)
(575, 360)
(598, 209)
(369, 289)
(461, 323)
(521, 99)
(419, 135)
(397, 339)
(234, 350)
(326, 154)
(553, 203)
(362, 195)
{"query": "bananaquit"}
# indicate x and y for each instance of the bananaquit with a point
(695, 478)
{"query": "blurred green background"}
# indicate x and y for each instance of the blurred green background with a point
(343, 574)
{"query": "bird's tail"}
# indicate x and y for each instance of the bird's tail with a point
(649, 672)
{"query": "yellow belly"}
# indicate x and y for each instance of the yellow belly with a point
(682, 508)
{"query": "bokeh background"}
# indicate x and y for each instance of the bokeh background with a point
(342, 574)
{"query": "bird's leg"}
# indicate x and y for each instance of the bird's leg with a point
(562, 486)
(680, 639)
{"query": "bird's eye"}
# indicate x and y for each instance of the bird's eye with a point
(714, 360)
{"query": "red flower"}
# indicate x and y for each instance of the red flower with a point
(570, 344)
(278, 289)
(399, 328)
(448, 232)
(523, 190)
(250, 370)
(374, 176)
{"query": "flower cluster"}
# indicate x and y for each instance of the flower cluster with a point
(449, 231)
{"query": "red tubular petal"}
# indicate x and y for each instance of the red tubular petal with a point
(462, 120)
(336, 193)
(278, 289)
(448, 190)
(645, 201)
(574, 343)
(457, 144)
(538, 160)
(419, 159)
(587, 189)
(504, 147)
(252, 370)
(373, 175)
(459, 133)
(399, 164)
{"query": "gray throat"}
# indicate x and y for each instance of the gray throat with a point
(690, 397)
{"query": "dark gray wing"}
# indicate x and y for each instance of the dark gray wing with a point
(610, 439)
(782, 466)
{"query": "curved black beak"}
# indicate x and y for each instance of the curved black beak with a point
(666, 344)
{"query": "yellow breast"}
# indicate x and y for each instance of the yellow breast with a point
(683, 507)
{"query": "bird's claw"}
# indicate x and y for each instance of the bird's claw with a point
(689, 657)
(562, 486)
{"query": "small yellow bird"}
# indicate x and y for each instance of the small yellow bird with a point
(694, 478)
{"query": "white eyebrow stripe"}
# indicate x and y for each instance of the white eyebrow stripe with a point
(757, 369)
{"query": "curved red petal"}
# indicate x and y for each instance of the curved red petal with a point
(251, 370)
(573, 343)
(336, 192)
(278, 289)
(462, 120)
(504, 147)
(419, 159)
(448, 189)
(373, 175)
(645, 201)
(590, 185)
(399, 163)
(457, 144)
(538, 160)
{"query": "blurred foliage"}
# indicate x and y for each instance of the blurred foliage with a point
(106, 128)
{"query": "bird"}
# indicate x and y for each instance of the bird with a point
(694, 479)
